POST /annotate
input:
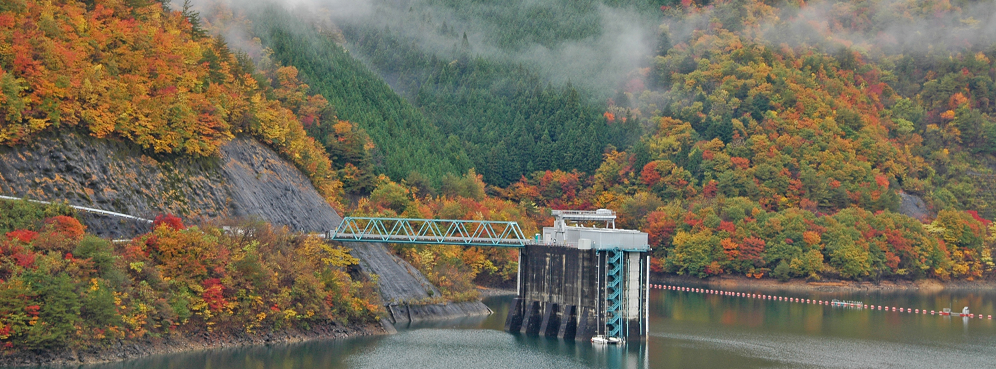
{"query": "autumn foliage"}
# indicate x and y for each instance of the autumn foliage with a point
(60, 287)
(145, 74)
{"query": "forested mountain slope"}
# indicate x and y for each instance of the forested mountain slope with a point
(133, 106)
(144, 74)
(778, 121)
(780, 137)
(130, 106)
(496, 88)
(513, 121)
(404, 138)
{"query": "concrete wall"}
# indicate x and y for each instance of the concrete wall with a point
(562, 293)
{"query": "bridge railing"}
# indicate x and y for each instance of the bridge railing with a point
(430, 231)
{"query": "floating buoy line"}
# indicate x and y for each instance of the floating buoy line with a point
(830, 303)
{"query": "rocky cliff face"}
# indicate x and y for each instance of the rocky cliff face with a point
(246, 180)
(404, 290)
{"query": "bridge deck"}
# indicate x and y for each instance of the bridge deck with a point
(430, 231)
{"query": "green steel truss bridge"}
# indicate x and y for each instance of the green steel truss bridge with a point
(430, 232)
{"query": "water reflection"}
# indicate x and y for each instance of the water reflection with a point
(688, 330)
(768, 333)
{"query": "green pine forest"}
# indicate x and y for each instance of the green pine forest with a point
(406, 140)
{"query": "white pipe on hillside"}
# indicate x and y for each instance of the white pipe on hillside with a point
(83, 208)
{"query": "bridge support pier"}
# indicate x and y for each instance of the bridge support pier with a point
(551, 321)
(532, 319)
(513, 322)
(569, 323)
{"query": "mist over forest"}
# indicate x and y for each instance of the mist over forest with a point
(694, 119)
(585, 43)
(607, 48)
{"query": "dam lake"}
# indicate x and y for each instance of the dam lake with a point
(687, 330)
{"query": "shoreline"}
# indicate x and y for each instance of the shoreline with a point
(185, 342)
(801, 285)
(491, 292)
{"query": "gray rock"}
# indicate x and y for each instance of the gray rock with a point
(246, 180)
(913, 206)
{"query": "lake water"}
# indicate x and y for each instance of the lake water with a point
(688, 330)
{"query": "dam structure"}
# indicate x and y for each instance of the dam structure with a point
(581, 278)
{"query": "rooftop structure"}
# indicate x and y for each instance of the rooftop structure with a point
(600, 215)
(591, 237)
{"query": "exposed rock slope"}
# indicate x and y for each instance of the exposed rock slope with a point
(404, 290)
(247, 180)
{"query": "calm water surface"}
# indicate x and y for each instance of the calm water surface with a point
(688, 330)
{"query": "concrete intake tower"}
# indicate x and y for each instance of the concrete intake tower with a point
(580, 280)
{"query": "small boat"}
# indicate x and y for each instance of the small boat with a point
(602, 340)
(947, 311)
(852, 304)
